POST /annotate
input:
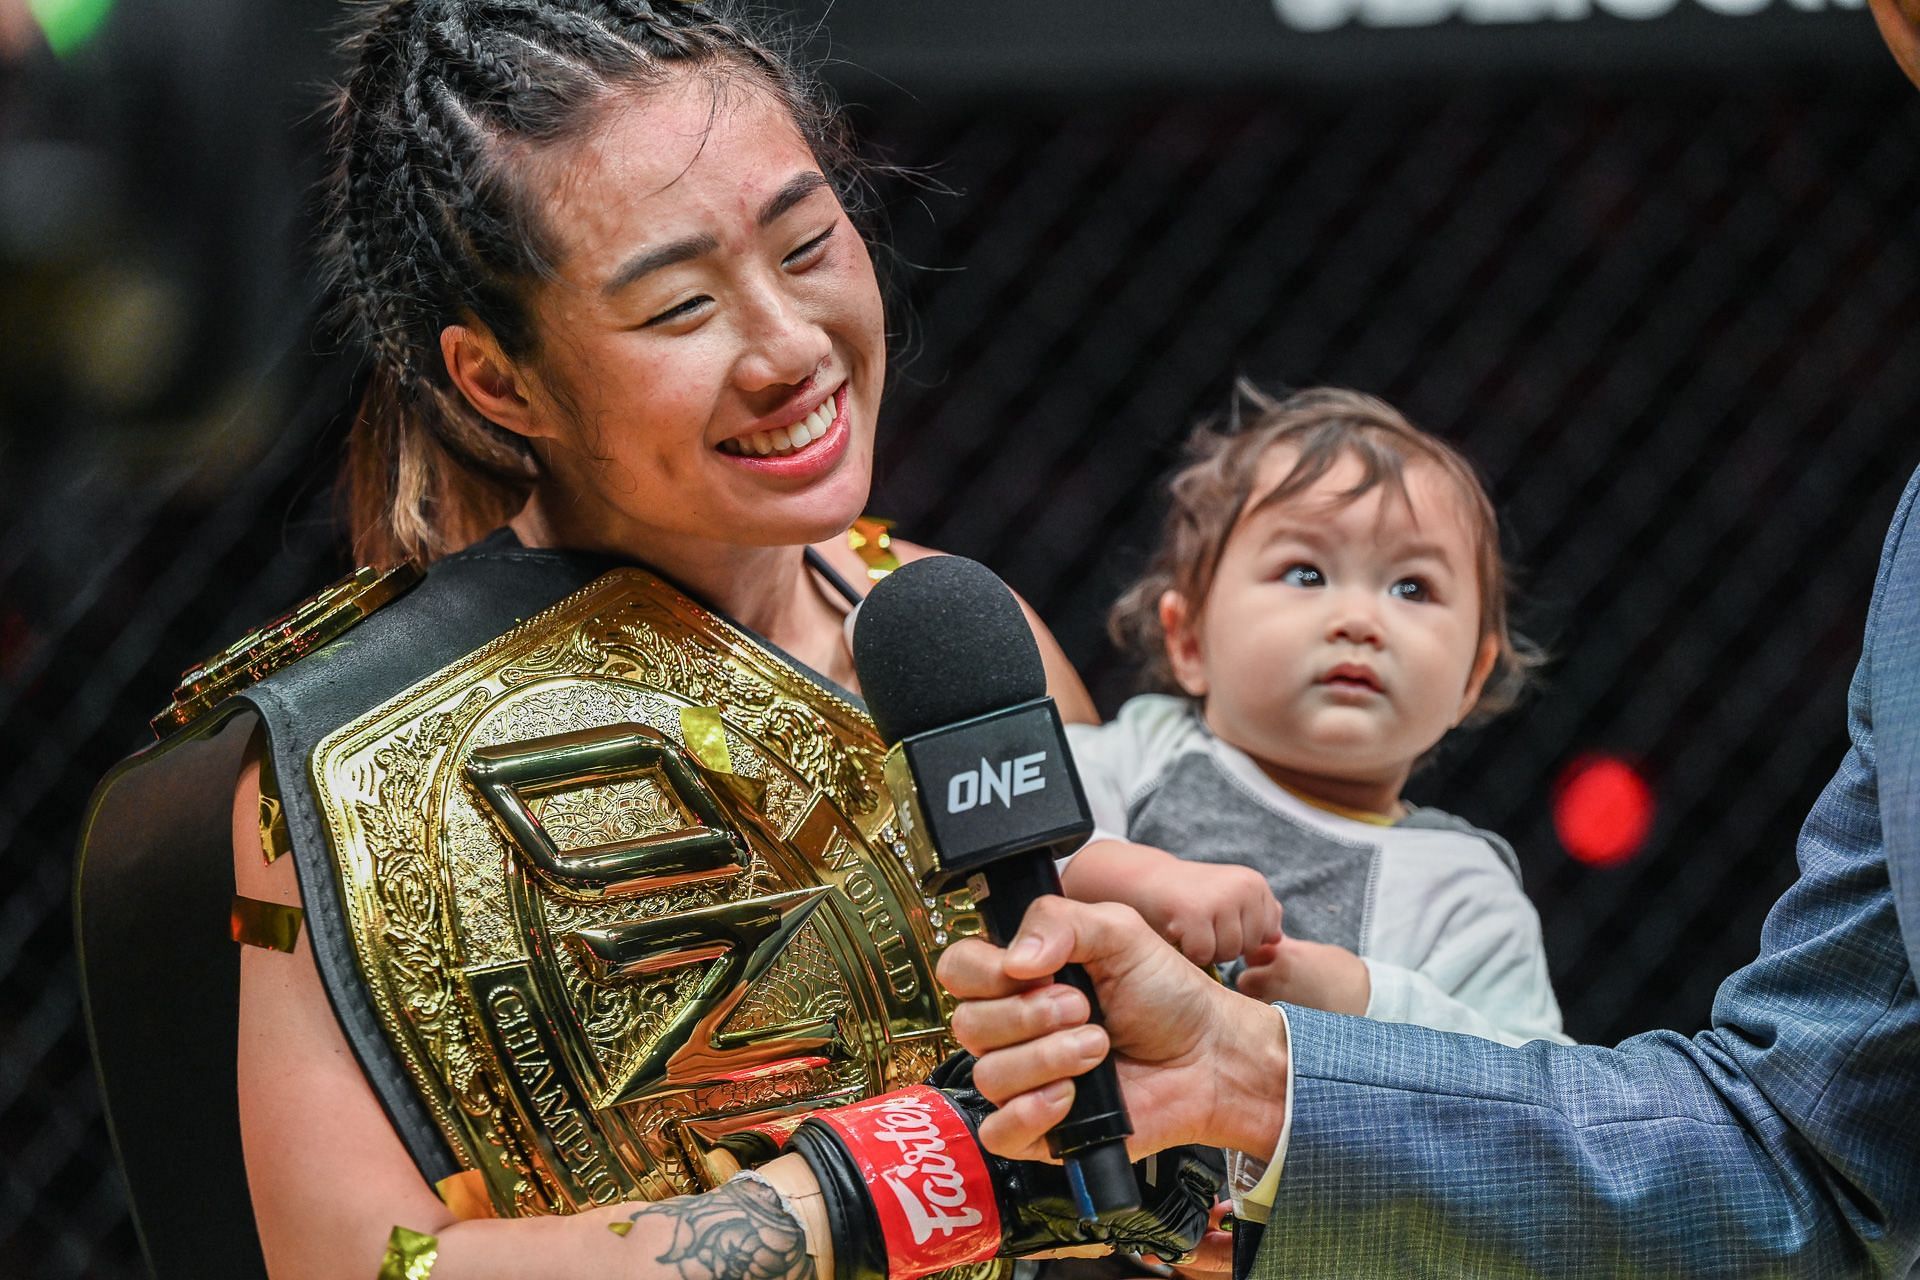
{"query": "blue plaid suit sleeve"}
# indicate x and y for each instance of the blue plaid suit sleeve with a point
(1784, 1140)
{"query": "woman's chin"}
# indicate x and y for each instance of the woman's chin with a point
(802, 519)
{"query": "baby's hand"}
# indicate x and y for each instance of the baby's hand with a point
(1212, 912)
(1314, 974)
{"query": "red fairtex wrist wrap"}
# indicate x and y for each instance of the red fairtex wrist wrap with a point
(927, 1178)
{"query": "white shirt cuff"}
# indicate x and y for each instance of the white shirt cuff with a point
(1255, 1184)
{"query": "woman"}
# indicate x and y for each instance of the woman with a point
(598, 252)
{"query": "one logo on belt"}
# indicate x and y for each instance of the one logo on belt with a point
(995, 782)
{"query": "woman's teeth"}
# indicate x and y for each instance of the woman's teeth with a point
(785, 439)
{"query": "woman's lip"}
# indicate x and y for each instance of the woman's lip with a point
(815, 458)
(786, 418)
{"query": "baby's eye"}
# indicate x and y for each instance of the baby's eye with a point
(1302, 575)
(1418, 590)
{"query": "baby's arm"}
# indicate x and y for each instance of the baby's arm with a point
(1484, 974)
(1318, 975)
(1213, 912)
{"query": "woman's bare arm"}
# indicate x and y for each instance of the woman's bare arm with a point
(330, 1178)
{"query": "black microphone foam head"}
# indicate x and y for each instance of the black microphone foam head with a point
(942, 640)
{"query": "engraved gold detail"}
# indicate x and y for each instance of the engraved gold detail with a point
(292, 636)
(623, 883)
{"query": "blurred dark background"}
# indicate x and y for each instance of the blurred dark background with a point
(1659, 276)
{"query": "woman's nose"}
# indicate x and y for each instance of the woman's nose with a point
(784, 345)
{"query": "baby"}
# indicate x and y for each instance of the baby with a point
(1328, 600)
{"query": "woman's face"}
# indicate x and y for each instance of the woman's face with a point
(710, 360)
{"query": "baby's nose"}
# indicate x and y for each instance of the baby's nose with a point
(1355, 623)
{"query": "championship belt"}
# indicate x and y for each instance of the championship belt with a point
(624, 885)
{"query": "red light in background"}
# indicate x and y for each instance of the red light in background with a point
(1602, 810)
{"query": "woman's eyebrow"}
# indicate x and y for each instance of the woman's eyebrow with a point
(651, 260)
(791, 193)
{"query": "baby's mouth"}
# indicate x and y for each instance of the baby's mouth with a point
(1349, 675)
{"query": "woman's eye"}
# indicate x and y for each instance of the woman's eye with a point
(679, 311)
(809, 251)
(1415, 589)
(1302, 575)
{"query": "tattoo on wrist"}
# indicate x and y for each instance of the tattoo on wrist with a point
(740, 1231)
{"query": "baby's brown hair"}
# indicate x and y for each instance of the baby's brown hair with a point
(1209, 494)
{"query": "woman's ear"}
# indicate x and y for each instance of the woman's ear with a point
(1182, 631)
(1483, 664)
(492, 384)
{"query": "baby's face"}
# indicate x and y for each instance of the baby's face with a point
(1341, 639)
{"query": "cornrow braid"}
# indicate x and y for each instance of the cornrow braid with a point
(431, 222)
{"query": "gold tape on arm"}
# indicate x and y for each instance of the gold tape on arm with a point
(269, 925)
(410, 1255)
(465, 1194)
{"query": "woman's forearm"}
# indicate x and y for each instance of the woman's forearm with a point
(748, 1229)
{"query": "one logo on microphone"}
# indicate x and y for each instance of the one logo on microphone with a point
(991, 782)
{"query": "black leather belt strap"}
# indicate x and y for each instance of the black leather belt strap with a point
(465, 601)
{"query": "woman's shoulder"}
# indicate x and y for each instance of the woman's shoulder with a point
(380, 628)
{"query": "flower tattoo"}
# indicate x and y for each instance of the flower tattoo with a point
(740, 1231)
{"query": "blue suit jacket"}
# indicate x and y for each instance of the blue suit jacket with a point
(1783, 1141)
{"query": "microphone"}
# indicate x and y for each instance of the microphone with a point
(986, 795)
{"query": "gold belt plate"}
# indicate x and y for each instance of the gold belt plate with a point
(622, 884)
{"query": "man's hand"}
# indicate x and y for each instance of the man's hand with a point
(1197, 1063)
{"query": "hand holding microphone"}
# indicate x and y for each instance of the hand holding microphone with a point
(986, 793)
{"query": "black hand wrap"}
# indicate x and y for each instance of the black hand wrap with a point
(909, 1190)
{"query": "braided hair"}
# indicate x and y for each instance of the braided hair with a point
(432, 220)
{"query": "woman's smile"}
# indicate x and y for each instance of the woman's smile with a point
(805, 447)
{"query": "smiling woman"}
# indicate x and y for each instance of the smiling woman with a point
(709, 301)
(592, 895)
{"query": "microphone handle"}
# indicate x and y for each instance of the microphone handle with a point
(1092, 1141)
